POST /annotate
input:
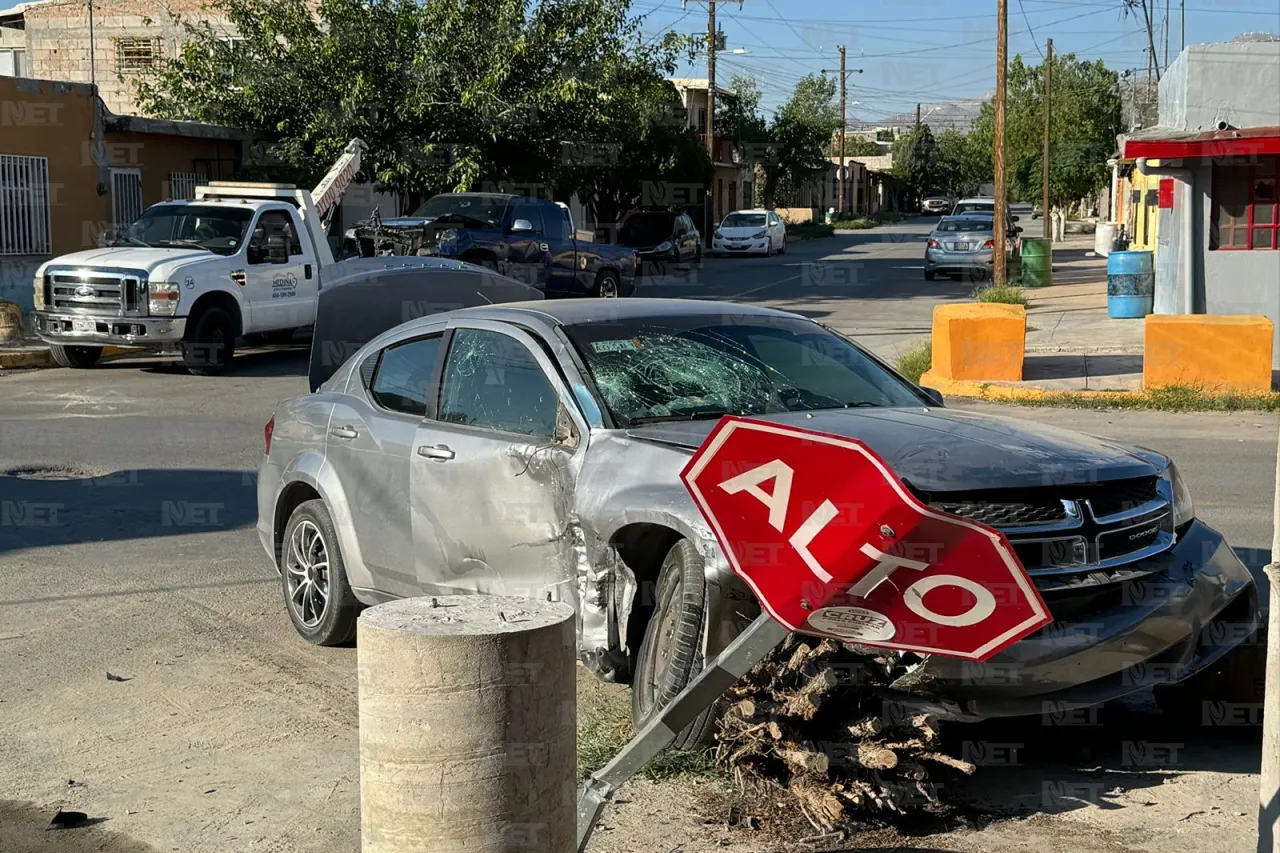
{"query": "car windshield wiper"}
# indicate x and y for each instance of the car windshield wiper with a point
(190, 243)
(692, 416)
(125, 238)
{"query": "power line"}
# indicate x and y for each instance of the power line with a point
(1030, 30)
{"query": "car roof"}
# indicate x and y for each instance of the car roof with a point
(571, 312)
(749, 210)
(978, 200)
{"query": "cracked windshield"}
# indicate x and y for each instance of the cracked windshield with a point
(686, 369)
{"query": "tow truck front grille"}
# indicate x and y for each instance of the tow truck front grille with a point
(102, 293)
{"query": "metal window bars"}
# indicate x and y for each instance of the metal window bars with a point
(24, 205)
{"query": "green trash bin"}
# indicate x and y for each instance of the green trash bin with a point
(1037, 262)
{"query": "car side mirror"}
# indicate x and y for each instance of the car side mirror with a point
(1014, 218)
(521, 226)
(277, 249)
(934, 396)
(1017, 229)
(566, 434)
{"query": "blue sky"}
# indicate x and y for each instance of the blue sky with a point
(931, 50)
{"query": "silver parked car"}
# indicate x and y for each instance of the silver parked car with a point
(535, 448)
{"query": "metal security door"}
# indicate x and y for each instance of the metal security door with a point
(126, 197)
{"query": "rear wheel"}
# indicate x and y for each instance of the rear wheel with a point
(210, 343)
(313, 578)
(930, 275)
(671, 652)
(79, 357)
(607, 286)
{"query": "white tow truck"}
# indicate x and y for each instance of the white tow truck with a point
(241, 259)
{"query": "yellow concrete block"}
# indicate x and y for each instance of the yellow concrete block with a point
(979, 340)
(1223, 352)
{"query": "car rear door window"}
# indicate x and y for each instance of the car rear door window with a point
(402, 381)
(556, 222)
(491, 380)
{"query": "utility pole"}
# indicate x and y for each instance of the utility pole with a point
(1269, 781)
(1000, 223)
(1167, 21)
(917, 116)
(844, 130)
(1048, 106)
(93, 72)
(1182, 8)
(711, 117)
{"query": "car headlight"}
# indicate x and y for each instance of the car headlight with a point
(163, 297)
(664, 246)
(759, 236)
(718, 235)
(37, 288)
(1183, 510)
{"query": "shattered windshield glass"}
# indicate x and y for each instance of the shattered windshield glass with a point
(467, 208)
(683, 368)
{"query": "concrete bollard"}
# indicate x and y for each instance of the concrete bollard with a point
(468, 737)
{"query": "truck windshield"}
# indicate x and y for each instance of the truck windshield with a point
(219, 230)
(672, 368)
(467, 209)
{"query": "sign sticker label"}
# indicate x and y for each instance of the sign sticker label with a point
(854, 624)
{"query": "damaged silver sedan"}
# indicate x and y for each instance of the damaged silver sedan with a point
(534, 449)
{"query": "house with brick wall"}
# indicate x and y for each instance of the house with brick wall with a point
(50, 40)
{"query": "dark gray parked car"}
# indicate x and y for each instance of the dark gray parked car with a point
(534, 449)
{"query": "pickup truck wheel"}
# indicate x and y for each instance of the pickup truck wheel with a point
(313, 578)
(671, 652)
(209, 343)
(81, 357)
(607, 285)
(487, 263)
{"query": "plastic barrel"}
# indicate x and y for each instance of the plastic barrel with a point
(1103, 238)
(1037, 262)
(1131, 285)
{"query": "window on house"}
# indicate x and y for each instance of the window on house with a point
(133, 54)
(24, 205)
(1245, 212)
(12, 63)
(182, 185)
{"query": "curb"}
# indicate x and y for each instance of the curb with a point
(997, 392)
(42, 357)
(1050, 349)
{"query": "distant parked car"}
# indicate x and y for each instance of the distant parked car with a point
(750, 231)
(963, 246)
(935, 204)
(974, 205)
(662, 239)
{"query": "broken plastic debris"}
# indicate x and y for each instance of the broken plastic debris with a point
(113, 677)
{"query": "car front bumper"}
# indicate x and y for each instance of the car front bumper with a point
(71, 329)
(724, 247)
(1198, 604)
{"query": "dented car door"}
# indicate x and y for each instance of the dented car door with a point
(493, 472)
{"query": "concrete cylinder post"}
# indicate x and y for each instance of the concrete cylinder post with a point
(468, 738)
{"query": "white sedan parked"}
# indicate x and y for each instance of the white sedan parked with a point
(750, 232)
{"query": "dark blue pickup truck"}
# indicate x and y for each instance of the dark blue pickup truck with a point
(528, 239)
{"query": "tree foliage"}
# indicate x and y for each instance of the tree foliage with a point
(800, 137)
(1084, 121)
(915, 160)
(561, 95)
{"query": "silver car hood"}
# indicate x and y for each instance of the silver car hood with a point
(942, 450)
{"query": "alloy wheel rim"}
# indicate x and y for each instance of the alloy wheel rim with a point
(609, 288)
(307, 573)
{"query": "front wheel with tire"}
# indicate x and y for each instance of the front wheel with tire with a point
(607, 286)
(313, 578)
(671, 652)
(79, 357)
(209, 343)
(768, 249)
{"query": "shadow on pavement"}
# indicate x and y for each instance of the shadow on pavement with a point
(49, 506)
(288, 360)
(24, 829)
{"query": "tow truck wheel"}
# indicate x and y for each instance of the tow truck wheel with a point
(607, 285)
(672, 649)
(81, 357)
(209, 343)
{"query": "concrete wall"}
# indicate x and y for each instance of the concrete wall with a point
(57, 40)
(1235, 83)
(158, 156)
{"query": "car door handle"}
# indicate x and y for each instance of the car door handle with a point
(439, 453)
(306, 271)
(343, 432)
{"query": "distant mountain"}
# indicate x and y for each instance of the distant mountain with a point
(939, 117)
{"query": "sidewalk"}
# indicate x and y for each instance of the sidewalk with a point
(1072, 345)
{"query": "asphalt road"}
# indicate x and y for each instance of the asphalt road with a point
(127, 548)
(869, 284)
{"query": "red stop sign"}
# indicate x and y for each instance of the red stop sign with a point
(834, 545)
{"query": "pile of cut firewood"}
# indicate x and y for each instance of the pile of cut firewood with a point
(807, 720)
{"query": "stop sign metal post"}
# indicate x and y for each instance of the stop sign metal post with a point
(833, 545)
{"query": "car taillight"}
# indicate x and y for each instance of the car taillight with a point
(266, 433)
(933, 244)
(990, 244)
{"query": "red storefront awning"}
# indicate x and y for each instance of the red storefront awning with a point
(1174, 145)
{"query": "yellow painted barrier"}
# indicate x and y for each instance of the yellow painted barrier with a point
(1207, 351)
(979, 340)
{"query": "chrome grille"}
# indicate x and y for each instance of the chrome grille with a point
(1067, 530)
(103, 293)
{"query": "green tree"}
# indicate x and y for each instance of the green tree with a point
(915, 161)
(799, 137)
(963, 167)
(738, 116)
(1084, 122)
(855, 146)
(446, 94)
